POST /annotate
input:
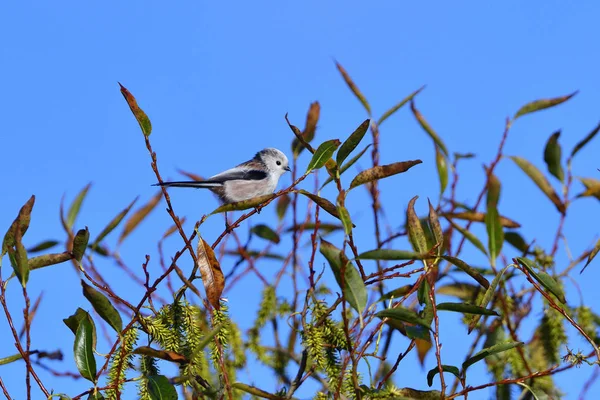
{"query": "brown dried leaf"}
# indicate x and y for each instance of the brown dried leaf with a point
(161, 354)
(210, 270)
(382, 171)
(480, 217)
(139, 216)
(353, 87)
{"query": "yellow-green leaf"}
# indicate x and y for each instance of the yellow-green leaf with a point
(495, 233)
(592, 187)
(76, 206)
(347, 165)
(487, 297)
(244, 204)
(592, 254)
(542, 104)
(323, 154)
(470, 236)
(382, 171)
(103, 307)
(540, 180)
(344, 214)
(353, 140)
(389, 254)
(138, 216)
(552, 156)
(138, 113)
(398, 106)
(354, 88)
(18, 259)
(436, 229)
(499, 348)
(427, 128)
(113, 224)
(21, 223)
(416, 234)
(9, 359)
(543, 278)
(442, 169)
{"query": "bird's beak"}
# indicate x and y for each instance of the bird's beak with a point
(288, 168)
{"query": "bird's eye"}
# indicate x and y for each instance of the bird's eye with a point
(278, 162)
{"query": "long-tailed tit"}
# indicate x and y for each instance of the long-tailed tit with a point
(255, 177)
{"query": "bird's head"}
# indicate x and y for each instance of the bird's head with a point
(275, 161)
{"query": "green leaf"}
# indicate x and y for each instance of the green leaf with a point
(244, 204)
(495, 233)
(321, 202)
(465, 309)
(436, 229)
(552, 157)
(350, 163)
(585, 141)
(346, 275)
(382, 171)
(446, 368)
(9, 359)
(138, 113)
(83, 350)
(516, 240)
(45, 245)
(18, 259)
(344, 214)
(396, 293)
(470, 237)
(472, 272)
(591, 256)
(139, 216)
(283, 203)
(76, 206)
(264, 232)
(442, 168)
(350, 144)
(542, 104)
(353, 88)
(323, 154)
(537, 394)
(312, 117)
(543, 279)
(592, 187)
(95, 396)
(498, 348)
(404, 315)
(398, 106)
(103, 307)
(160, 388)
(74, 321)
(21, 223)
(389, 254)
(493, 191)
(416, 234)
(49, 259)
(113, 224)
(80, 242)
(487, 297)
(427, 128)
(540, 180)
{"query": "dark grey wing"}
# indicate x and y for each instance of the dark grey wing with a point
(237, 174)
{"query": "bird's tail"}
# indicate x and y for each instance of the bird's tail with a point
(190, 184)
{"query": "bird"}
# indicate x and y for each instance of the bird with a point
(256, 177)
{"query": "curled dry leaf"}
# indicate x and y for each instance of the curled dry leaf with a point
(138, 113)
(382, 171)
(210, 270)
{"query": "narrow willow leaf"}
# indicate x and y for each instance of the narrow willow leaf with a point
(591, 256)
(323, 154)
(495, 233)
(80, 242)
(382, 171)
(543, 278)
(389, 255)
(74, 320)
(470, 236)
(344, 167)
(172, 229)
(134, 220)
(76, 206)
(396, 293)
(353, 88)
(472, 272)
(344, 214)
(161, 354)
(256, 254)
(49, 259)
(353, 140)
(19, 260)
(480, 217)
(45, 245)
(436, 229)
(424, 299)
(427, 128)
(83, 350)
(21, 223)
(498, 348)
(10, 359)
(487, 297)
(404, 315)
(398, 106)
(210, 270)
(312, 118)
(159, 388)
(552, 156)
(493, 191)
(446, 368)
(103, 307)
(592, 187)
(540, 180)
(415, 229)
(299, 137)
(465, 309)
(244, 204)
(462, 291)
(283, 203)
(138, 113)
(516, 240)
(538, 394)
(585, 141)
(321, 202)
(417, 332)
(346, 275)
(442, 168)
(542, 104)
(113, 224)
(92, 396)
(264, 232)
(323, 227)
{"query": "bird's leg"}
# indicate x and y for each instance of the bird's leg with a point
(227, 226)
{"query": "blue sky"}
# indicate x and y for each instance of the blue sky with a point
(216, 80)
